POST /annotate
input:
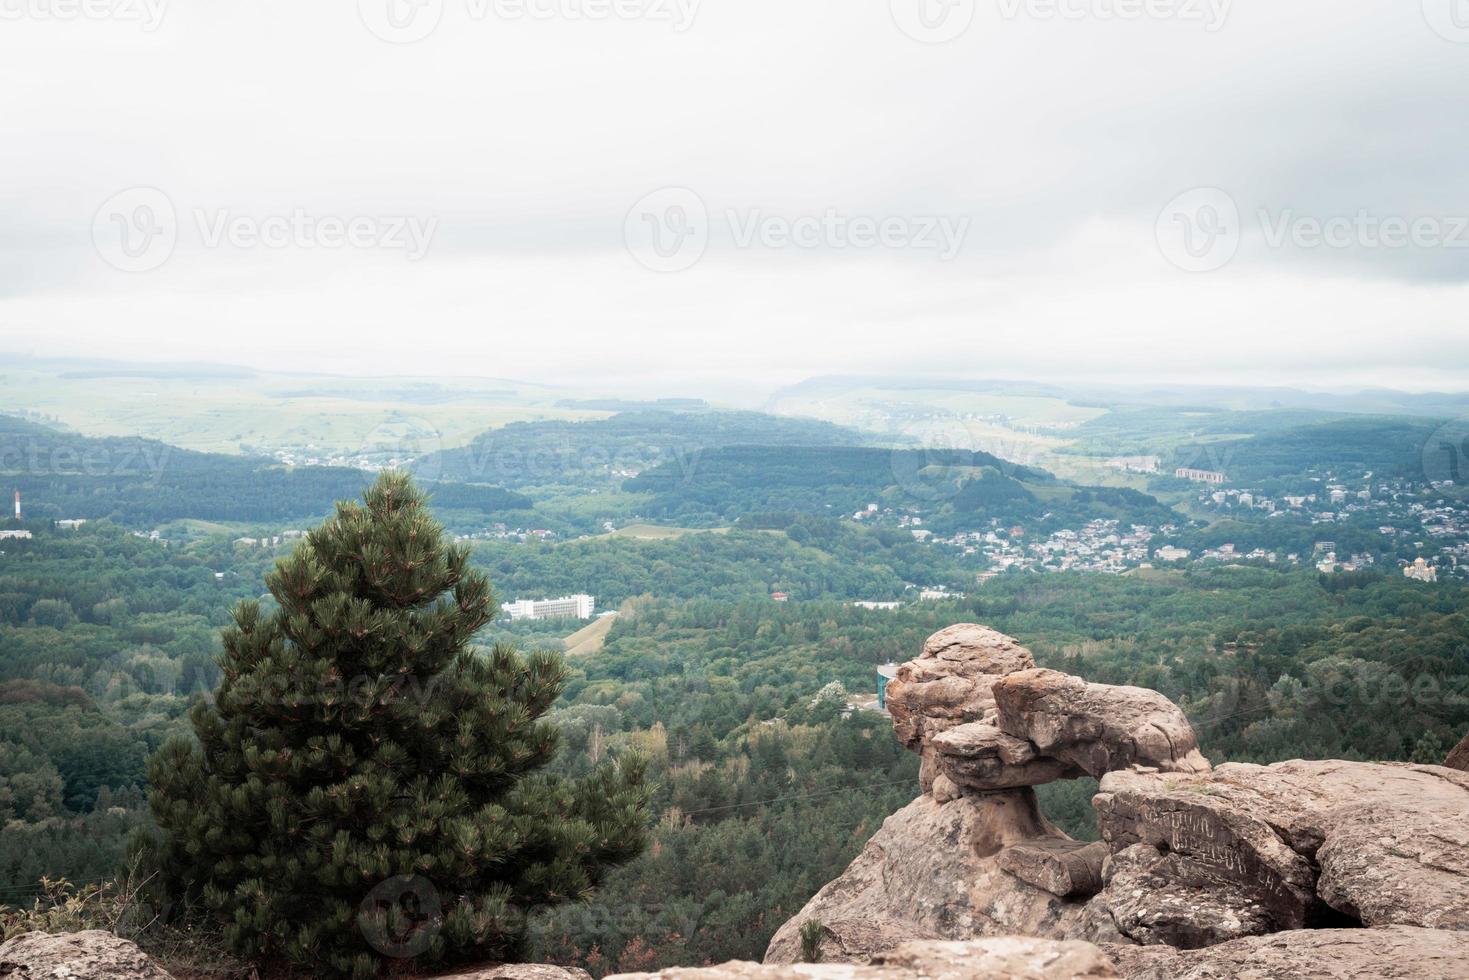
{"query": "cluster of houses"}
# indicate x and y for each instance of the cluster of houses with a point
(1098, 546)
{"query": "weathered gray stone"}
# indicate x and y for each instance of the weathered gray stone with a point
(521, 971)
(979, 756)
(1006, 958)
(950, 683)
(1393, 953)
(1097, 728)
(1287, 846)
(89, 955)
(1154, 898)
(1459, 756)
(931, 873)
(1065, 868)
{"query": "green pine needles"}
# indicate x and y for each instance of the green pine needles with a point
(364, 788)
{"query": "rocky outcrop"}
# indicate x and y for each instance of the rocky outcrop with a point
(1459, 757)
(1197, 866)
(1009, 958)
(1096, 728)
(931, 872)
(1397, 952)
(90, 955)
(1248, 850)
(949, 684)
(974, 856)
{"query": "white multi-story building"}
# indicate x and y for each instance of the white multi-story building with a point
(1198, 476)
(567, 607)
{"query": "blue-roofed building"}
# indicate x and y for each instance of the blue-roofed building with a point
(885, 673)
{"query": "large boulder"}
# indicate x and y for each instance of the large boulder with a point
(90, 955)
(979, 756)
(1005, 958)
(932, 872)
(1246, 850)
(1096, 728)
(1065, 868)
(1393, 953)
(1459, 757)
(1190, 858)
(948, 684)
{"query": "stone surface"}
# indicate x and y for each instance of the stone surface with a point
(1258, 849)
(1005, 958)
(1017, 957)
(931, 872)
(1191, 858)
(1065, 868)
(1394, 953)
(1096, 728)
(981, 757)
(1459, 757)
(948, 684)
(1153, 898)
(521, 971)
(90, 955)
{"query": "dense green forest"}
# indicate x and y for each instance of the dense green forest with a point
(953, 489)
(763, 789)
(143, 482)
(808, 557)
(599, 454)
(765, 783)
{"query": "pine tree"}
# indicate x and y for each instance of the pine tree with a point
(364, 785)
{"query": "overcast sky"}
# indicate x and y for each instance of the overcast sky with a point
(659, 192)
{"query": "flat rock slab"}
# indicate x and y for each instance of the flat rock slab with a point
(520, 971)
(1394, 953)
(89, 955)
(980, 757)
(1065, 868)
(1097, 728)
(1006, 958)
